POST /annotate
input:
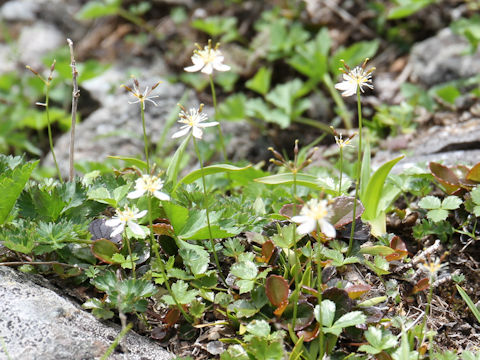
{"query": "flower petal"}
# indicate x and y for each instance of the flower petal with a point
(220, 66)
(181, 132)
(118, 230)
(194, 68)
(327, 228)
(307, 227)
(136, 229)
(136, 194)
(197, 132)
(161, 196)
(140, 214)
(113, 222)
(208, 69)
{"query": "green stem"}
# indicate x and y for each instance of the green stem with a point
(296, 265)
(127, 241)
(343, 111)
(359, 169)
(49, 127)
(220, 133)
(145, 139)
(427, 311)
(154, 247)
(341, 172)
(212, 243)
(117, 340)
(319, 296)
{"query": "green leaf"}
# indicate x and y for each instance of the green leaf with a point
(182, 294)
(451, 203)
(288, 179)
(430, 202)
(328, 312)
(365, 171)
(260, 83)
(245, 270)
(475, 194)
(374, 189)
(406, 8)
(195, 257)
(257, 108)
(349, 319)
(243, 308)
(104, 250)
(174, 166)
(12, 183)
(448, 93)
(377, 250)
(437, 215)
(96, 9)
(263, 350)
(283, 96)
(469, 302)
(233, 108)
(209, 170)
(353, 55)
(177, 214)
(142, 165)
(310, 58)
(259, 328)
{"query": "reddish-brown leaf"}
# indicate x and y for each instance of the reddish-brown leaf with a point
(421, 285)
(276, 288)
(355, 291)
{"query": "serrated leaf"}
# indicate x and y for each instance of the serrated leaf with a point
(259, 328)
(246, 270)
(11, 185)
(260, 83)
(451, 203)
(430, 202)
(437, 215)
(182, 294)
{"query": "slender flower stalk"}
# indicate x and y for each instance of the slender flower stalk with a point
(353, 82)
(47, 83)
(320, 297)
(141, 99)
(194, 120)
(151, 185)
(431, 269)
(341, 143)
(206, 60)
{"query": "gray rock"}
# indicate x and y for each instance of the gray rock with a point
(37, 40)
(19, 10)
(443, 58)
(452, 144)
(39, 324)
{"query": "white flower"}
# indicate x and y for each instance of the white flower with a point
(343, 142)
(141, 98)
(313, 213)
(207, 60)
(126, 217)
(151, 184)
(355, 79)
(194, 120)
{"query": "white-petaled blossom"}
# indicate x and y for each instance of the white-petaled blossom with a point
(354, 79)
(315, 213)
(207, 59)
(126, 217)
(150, 184)
(194, 120)
(142, 97)
(433, 267)
(343, 142)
